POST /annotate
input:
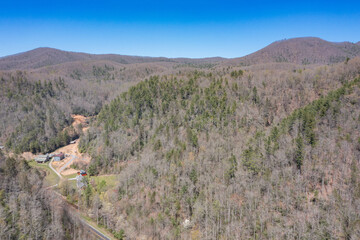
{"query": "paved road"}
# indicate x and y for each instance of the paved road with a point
(54, 169)
(68, 163)
(96, 232)
(74, 209)
(52, 186)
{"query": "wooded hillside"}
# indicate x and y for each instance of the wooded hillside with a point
(242, 153)
(28, 211)
(189, 149)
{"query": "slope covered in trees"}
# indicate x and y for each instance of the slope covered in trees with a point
(242, 154)
(34, 113)
(36, 106)
(28, 211)
(265, 151)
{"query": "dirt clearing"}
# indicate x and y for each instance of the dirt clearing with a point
(72, 155)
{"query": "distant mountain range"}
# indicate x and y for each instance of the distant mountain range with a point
(41, 57)
(307, 50)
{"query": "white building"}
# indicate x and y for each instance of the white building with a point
(80, 181)
(42, 158)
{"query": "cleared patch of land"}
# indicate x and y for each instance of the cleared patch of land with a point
(73, 157)
(109, 179)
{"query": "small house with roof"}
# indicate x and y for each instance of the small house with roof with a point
(59, 156)
(80, 181)
(82, 173)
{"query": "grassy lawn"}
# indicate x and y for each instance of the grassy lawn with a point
(72, 182)
(70, 176)
(109, 179)
(51, 177)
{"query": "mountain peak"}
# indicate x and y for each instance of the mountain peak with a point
(303, 50)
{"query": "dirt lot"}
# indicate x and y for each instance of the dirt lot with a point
(79, 119)
(71, 151)
(28, 156)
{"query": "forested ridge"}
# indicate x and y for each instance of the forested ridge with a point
(211, 147)
(36, 107)
(42, 120)
(37, 113)
(187, 149)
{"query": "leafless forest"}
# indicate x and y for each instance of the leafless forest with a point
(198, 149)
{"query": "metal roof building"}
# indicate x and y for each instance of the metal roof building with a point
(80, 181)
(42, 158)
(59, 157)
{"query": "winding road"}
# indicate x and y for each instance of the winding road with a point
(95, 231)
(53, 169)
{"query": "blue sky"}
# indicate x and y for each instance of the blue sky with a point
(171, 28)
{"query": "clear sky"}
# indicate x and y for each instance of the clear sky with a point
(171, 28)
